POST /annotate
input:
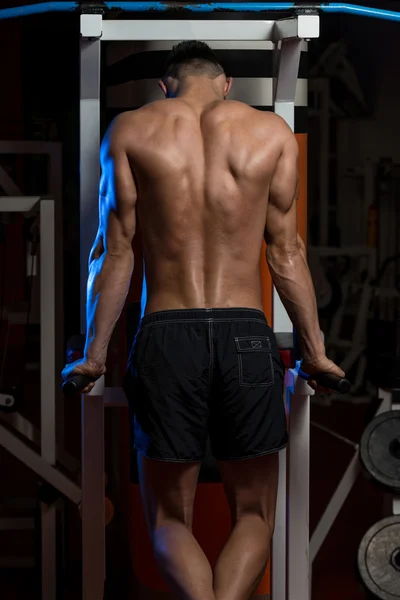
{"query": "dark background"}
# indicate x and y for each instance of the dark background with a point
(40, 92)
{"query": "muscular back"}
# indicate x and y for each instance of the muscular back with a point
(203, 178)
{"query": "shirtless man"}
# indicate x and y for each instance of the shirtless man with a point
(206, 179)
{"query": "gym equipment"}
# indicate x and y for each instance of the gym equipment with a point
(380, 450)
(11, 395)
(76, 384)
(379, 551)
(329, 381)
(379, 559)
(287, 36)
(328, 7)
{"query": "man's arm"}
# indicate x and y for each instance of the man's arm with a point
(286, 253)
(111, 260)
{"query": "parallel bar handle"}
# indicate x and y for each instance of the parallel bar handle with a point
(329, 380)
(75, 385)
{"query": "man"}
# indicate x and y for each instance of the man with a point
(206, 179)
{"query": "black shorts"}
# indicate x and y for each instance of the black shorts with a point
(202, 373)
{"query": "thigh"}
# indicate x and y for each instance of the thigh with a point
(168, 491)
(251, 486)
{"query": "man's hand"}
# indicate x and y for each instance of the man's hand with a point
(320, 365)
(82, 367)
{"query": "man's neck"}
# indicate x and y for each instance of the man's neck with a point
(200, 93)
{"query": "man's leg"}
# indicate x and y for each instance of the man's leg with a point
(168, 491)
(251, 488)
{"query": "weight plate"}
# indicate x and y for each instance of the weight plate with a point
(379, 559)
(380, 450)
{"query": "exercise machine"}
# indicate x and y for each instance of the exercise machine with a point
(291, 564)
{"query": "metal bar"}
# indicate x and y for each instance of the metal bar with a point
(396, 506)
(55, 191)
(335, 435)
(48, 389)
(360, 11)
(285, 93)
(279, 539)
(250, 90)
(90, 51)
(300, 27)
(18, 203)
(93, 495)
(206, 7)
(47, 7)
(47, 331)
(37, 9)
(8, 185)
(335, 505)
(27, 146)
(49, 547)
(34, 461)
(324, 163)
(298, 566)
(149, 30)
(29, 431)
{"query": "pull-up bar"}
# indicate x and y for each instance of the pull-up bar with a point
(164, 6)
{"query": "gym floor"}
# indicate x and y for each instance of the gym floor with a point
(334, 572)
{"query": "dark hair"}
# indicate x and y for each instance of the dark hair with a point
(192, 58)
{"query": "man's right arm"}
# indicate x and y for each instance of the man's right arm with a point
(286, 256)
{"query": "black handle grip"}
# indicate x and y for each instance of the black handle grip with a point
(329, 380)
(332, 382)
(75, 385)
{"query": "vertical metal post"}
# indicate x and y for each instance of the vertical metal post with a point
(92, 510)
(278, 584)
(288, 64)
(298, 580)
(90, 50)
(287, 61)
(55, 191)
(93, 494)
(48, 387)
(324, 164)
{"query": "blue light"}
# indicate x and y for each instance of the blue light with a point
(360, 11)
(207, 7)
(143, 300)
(37, 9)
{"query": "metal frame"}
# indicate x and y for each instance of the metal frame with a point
(44, 464)
(347, 482)
(288, 43)
(54, 188)
(94, 30)
(289, 33)
(209, 7)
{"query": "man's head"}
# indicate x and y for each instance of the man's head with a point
(192, 63)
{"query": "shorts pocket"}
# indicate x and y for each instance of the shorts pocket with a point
(255, 361)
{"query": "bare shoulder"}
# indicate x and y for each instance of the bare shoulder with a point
(270, 121)
(123, 123)
(265, 121)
